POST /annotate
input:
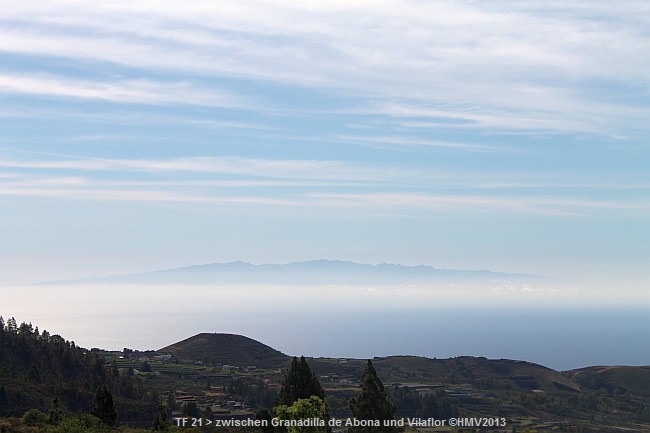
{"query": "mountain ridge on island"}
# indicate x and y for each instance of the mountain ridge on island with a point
(322, 271)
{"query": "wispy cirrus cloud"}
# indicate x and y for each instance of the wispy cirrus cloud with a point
(398, 142)
(121, 91)
(256, 167)
(541, 66)
(245, 171)
(550, 206)
(406, 204)
(310, 184)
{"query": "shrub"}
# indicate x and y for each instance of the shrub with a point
(82, 424)
(34, 417)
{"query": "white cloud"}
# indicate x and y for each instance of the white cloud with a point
(122, 91)
(535, 65)
(309, 196)
(551, 206)
(389, 141)
(403, 204)
(256, 167)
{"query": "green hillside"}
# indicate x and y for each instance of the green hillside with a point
(620, 378)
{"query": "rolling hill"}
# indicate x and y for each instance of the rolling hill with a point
(238, 350)
(227, 349)
(619, 378)
(479, 371)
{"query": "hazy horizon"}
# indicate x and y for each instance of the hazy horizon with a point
(556, 326)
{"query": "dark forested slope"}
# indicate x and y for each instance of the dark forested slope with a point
(36, 368)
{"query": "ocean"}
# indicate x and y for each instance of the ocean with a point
(335, 321)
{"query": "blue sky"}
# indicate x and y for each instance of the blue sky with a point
(509, 136)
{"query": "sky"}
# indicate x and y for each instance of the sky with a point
(504, 135)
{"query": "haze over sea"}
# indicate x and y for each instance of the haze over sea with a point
(556, 326)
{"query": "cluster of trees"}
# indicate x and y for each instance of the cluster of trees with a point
(302, 397)
(38, 357)
(36, 367)
(49, 364)
(101, 418)
(255, 393)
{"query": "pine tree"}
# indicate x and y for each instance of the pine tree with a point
(372, 403)
(56, 414)
(299, 382)
(33, 374)
(161, 420)
(103, 407)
